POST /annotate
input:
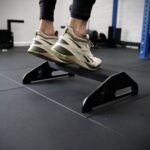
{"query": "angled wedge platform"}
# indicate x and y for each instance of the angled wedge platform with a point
(113, 85)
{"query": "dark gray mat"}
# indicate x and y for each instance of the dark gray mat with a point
(69, 91)
(45, 115)
(117, 56)
(131, 120)
(17, 58)
(31, 122)
(6, 84)
(123, 58)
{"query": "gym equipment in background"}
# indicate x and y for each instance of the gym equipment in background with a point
(116, 32)
(112, 41)
(6, 39)
(93, 35)
(100, 39)
(7, 36)
(145, 38)
(114, 85)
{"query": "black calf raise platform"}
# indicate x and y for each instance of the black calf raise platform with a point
(113, 85)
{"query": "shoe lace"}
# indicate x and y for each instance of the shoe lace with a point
(90, 43)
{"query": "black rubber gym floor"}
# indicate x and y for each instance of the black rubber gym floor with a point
(47, 115)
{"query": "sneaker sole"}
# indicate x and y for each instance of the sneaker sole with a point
(46, 56)
(73, 59)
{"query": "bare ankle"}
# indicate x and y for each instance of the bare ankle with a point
(78, 26)
(47, 27)
(81, 35)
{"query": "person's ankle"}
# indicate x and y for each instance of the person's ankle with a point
(81, 35)
(78, 26)
(46, 26)
(77, 33)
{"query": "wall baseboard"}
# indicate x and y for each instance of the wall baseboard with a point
(23, 43)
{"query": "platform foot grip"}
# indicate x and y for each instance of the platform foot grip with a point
(116, 86)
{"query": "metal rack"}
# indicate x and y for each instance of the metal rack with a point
(144, 46)
(145, 38)
(114, 17)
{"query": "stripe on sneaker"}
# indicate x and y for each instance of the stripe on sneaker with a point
(63, 41)
(37, 49)
(47, 42)
(62, 50)
(90, 58)
(87, 58)
(75, 43)
(36, 42)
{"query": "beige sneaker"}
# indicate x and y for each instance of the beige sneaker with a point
(41, 47)
(76, 50)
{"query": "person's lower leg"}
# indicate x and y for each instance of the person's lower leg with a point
(47, 27)
(47, 8)
(79, 26)
(80, 13)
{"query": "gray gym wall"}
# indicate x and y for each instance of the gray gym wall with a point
(130, 15)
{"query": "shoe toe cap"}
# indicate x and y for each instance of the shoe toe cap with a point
(97, 61)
